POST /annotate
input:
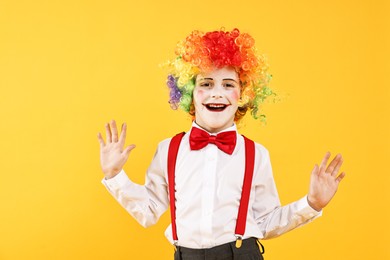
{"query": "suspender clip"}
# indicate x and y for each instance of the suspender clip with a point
(175, 243)
(238, 241)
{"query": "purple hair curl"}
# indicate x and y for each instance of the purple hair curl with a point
(174, 92)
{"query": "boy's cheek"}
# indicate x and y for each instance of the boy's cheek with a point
(199, 94)
(236, 95)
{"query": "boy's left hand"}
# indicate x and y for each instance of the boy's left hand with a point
(324, 182)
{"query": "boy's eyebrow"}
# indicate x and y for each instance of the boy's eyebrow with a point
(231, 79)
(222, 79)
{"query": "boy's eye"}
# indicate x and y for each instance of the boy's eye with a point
(229, 85)
(205, 84)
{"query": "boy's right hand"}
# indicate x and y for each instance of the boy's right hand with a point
(112, 155)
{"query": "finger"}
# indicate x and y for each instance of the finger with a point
(341, 176)
(114, 131)
(337, 167)
(333, 164)
(101, 141)
(108, 133)
(122, 137)
(324, 162)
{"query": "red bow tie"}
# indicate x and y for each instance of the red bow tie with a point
(225, 141)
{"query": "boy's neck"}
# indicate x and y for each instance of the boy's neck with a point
(215, 131)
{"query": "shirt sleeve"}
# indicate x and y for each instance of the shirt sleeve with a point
(273, 219)
(146, 203)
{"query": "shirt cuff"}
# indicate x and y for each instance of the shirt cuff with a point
(305, 209)
(118, 181)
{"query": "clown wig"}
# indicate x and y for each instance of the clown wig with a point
(201, 52)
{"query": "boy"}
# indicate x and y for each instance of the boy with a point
(219, 184)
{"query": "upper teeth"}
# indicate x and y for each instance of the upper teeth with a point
(216, 105)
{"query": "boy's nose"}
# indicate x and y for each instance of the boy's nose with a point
(216, 92)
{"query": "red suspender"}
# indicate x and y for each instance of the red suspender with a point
(246, 188)
(172, 155)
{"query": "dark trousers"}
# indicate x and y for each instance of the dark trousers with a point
(248, 251)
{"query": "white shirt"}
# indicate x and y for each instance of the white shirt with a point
(208, 192)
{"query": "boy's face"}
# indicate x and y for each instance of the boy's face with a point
(216, 96)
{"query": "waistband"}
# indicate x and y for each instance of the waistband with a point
(248, 244)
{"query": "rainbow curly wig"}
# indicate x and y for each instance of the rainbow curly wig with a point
(202, 52)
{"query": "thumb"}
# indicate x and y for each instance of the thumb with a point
(128, 149)
(315, 170)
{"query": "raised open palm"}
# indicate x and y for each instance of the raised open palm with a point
(113, 155)
(324, 181)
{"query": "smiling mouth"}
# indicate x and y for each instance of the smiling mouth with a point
(215, 107)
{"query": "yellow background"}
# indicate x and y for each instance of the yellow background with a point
(67, 67)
